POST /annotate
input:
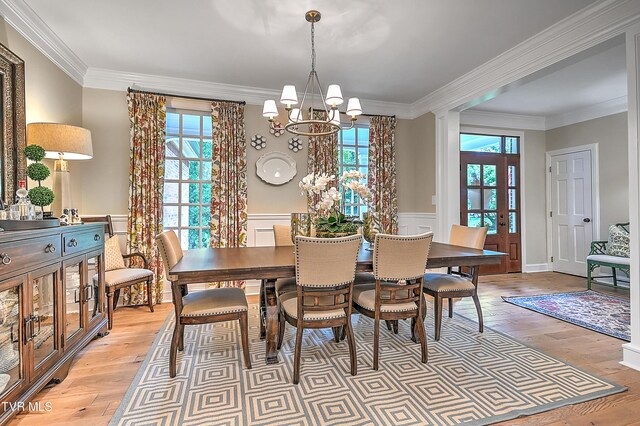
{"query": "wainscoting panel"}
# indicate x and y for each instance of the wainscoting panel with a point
(416, 223)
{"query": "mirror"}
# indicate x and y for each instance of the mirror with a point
(12, 125)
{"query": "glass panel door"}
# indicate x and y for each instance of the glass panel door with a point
(10, 338)
(91, 292)
(73, 299)
(43, 317)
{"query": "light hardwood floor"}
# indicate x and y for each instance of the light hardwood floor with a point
(103, 371)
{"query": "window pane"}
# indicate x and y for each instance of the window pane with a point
(184, 239)
(206, 216)
(348, 155)
(172, 147)
(511, 172)
(491, 222)
(184, 216)
(512, 199)
(206, 171)
(474, 220)
(206, 194)
(490, 199)
(473, 199)
(206, 237)
(206, 125)
(190, 193)
(173, 123)
(194, 238)
(194, 215)
(363, 135)
(349, 137)
(513, 222)
(191, 170)
(207, 149)
(473, 174)
(190, 124)
(363, 156)
(480, 143)
(511, 145)
(170, 193)
(191, 148)
(172, 169)
(489, 175)
(169, 216)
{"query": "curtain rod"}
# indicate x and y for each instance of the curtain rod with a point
(197, 98)
(361, 115)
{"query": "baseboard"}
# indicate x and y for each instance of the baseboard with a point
(537, 267)
(631, 356)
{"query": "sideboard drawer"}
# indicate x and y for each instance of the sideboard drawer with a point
(25, 253)
(75, 242)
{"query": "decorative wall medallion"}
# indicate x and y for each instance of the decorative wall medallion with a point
(276, 129)
(258, 141)
(295, 144)
(276, 168)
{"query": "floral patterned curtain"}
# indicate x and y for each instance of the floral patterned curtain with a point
(147, 115)
(323, 150)
(382, 171)
(228, 178)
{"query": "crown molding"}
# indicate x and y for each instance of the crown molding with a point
(602, 109)
(26, 22)
(582, 30)
(99, 78)
(502, 120)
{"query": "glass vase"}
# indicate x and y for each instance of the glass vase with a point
(371, 225)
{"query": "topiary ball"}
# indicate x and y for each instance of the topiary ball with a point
(41, 196)
(34, 152)
(38, 171)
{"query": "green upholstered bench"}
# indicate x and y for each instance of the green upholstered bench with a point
(600, 256)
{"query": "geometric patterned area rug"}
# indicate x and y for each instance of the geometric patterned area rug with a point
(471, 378)
(589, 309)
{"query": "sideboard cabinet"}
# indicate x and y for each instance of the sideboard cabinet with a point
(52, 304)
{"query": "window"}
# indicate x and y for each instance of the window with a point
(187, 177)
(354, 155)
(470, 142)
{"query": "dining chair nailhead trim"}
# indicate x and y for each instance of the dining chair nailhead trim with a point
(401, 238)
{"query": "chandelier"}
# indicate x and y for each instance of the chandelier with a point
(296, 117)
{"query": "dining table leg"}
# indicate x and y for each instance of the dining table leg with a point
(263, 311)
(271, 322)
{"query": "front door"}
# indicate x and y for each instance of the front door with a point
(490, 195)
(571, 209)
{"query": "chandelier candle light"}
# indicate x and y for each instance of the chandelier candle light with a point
(328, 126)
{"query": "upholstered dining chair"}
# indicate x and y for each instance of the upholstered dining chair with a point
(325, 270)
(282, 235)
(118, 274)
(200, 307)
(456, 283)
(398, 268)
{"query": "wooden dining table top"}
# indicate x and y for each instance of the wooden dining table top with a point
(245, 263)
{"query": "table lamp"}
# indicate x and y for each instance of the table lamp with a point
(61, 142)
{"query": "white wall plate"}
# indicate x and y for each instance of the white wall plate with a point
(276, 168)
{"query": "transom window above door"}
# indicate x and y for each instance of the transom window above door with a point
(471, 142)
(187, 177)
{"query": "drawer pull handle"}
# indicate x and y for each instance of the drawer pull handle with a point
(50, 248)
(73, 243)
(6, 259)
(96, 237)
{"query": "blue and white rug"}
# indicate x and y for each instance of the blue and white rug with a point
(599, 312)
(471, 378)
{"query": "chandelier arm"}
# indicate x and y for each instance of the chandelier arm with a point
(293, 128)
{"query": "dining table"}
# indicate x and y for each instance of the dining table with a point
(268, 264)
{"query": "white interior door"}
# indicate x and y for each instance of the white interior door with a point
(571, 211)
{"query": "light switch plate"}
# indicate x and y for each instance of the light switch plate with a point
(433, 200)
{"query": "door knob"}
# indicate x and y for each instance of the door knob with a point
(586, 220)
(503, 223)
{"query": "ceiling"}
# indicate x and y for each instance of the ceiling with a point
(593, 77)
(396, 51)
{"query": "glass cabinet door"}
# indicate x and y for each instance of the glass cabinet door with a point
(73, 299)
(92, 289)
(43, 317)
(11, 366)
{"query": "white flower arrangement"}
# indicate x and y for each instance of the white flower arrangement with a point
(330, 196)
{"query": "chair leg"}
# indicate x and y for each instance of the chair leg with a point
(244, 332)
(395, 326)
(476, 300)
(150, 295)
(589, 270)
(388, 324)
(352, 348)
(181, 338)
(450, 307)
(110, 309)
(615, 277)
(281, 328)
(336, 334)
(376, 343)
(173, 354)
(438, 314)
(116, 296)
(419, 329)
(297, 354)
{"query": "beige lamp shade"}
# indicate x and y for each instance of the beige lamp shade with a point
(74, 143)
